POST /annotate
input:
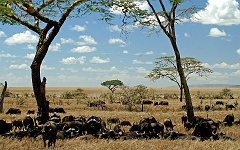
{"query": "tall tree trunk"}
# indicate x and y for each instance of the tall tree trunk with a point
(181, 93)
(39, 91)
(2, 97)
(190, 112)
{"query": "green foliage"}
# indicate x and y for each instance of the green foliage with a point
(227, 93)
(79, 94)
(166, 67)
(112, 84)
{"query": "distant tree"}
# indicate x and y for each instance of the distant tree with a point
(166, 67)
(129, 96)
(141, 92)
(162, 16)
(46, 18)
(112, 85)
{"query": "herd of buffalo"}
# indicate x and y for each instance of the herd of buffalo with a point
(73, 126)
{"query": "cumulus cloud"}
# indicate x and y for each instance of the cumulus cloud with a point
(87, 40)
(238, 51)
(125, 52)
(114, 28)
(73, 60)
(30, 46)
(78, 28)
(145, 53)
(90, 69)
(22, 66)
(55, 47)
(141, 62)
(117, 41)
(186, 34)
(215, 32)
(45, 67)
(8, 55)
(2, 34)
(67, 41)
(118, 10)
(20, 38)
(83, 49)
(222, 65)
(141, 70)
(29, 56)
(224, 12)
(98, 60)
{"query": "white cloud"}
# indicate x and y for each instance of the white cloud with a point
(20, 38)
(186, 34)
(238, 51)
(78, 28)
(140, 62)
(98, 70)
(215, 32)
(219, 12)
(30, 46)
(8, 55)
(83, 49)
(22, 66)
(30, 56)
(55, 47)
(45, 67)
(118, 10)
(117, 41)
(98, 60)
(2, 34)
(87, 40)
(67, 41)
(125, 52)
(149, 53)
(114, 28)
(222, 65)
(73, 60)
(141, 70)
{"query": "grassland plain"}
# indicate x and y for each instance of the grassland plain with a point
(24, 101)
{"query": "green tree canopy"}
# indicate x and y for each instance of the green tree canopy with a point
(112, 85)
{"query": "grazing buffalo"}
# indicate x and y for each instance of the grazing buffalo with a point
(17, 124)
(168, 124)
(125, 123)
(184, 119)
(5, 127)
(163, 103)
(49, 132)
(78, 126)
(229, 106)
(59, 110)
(219, 103)
(111, 121)
(13, 111)
(28, 123)
(188, 125)
(30, 112)
(229, 119)
(147, 102)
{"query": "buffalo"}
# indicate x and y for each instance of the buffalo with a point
(168, 124)
(163, 103)
(13, 111)
(17, 124)
(94, 125)
(68, 118)
(28, 123)
(229, 119)
(5, 127)
(219, 103)
(30, 112)
(147, 102)
(229, 106)
(49, 132)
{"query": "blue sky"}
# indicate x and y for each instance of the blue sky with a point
(87, 52)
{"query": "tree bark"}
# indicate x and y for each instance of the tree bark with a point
(190, 112)
(2, 97)
(181, 93)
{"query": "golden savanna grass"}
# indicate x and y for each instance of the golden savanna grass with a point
(79, 107)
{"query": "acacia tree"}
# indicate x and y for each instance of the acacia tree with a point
(166, 67)
(112, 85)
(45, 18)
(160, 18)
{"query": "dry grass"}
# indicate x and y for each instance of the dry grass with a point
(172, 111)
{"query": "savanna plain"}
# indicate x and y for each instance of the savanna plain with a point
(22, 98)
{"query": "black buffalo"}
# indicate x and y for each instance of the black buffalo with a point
(207, 107)
(229, 119)
(30, 112)
(28, 123)
(219, 103)
(229, 106)
(94, 125)
(49, 132)
(163, 103)
(13, 111)
(168, 124)
(5, 127)
(17, 124)
(147, 102)
(68, 118)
